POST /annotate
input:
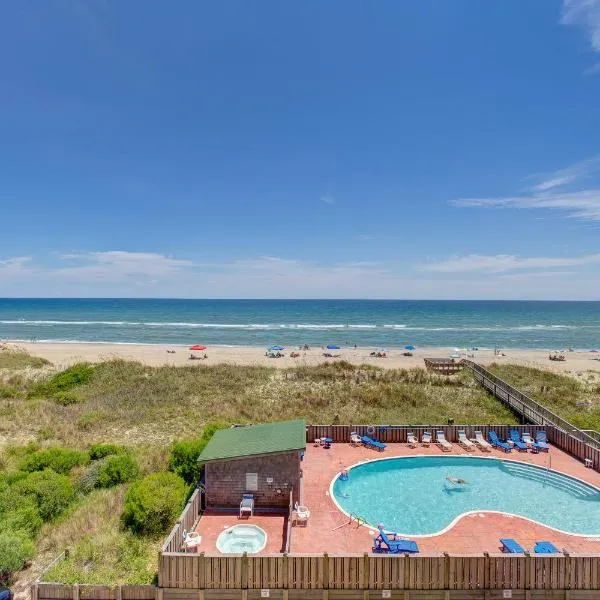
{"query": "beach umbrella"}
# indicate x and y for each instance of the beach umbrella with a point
(276, 348)
(409, 347)
(332, 347)
(198, 347)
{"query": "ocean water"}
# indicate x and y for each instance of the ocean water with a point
(412, 495)
(371, 323)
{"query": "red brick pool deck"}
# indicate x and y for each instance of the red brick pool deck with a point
(476, 533)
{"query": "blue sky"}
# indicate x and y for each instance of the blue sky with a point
(413, 149)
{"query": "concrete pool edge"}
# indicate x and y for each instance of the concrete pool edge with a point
(470, 512)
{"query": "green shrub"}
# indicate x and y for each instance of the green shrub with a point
(117, 469)
(15, 550)
(184, 455)
(25, 518)
(68, 397)
(66, 380)
(153, 503)
(61, 460)
(97, 451)
(51, 492)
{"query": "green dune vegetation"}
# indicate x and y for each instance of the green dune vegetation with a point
(85, 451)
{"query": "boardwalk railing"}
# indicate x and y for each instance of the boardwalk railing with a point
(361, 572)
(186, 522)
(532, 411)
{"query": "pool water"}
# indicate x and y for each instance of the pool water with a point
(412, 495)
(242, 538)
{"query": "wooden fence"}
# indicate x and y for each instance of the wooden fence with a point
(59, 591)
(380, 572)
(446, 366)
(186, 522)
(396, 434)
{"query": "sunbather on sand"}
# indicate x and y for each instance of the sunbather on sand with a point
(458, 480)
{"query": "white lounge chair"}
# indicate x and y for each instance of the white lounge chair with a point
(426, 438)
(482, 442)
(442, 442)
(466, 443)
(355, 439)
(247, 505)
(411, 440)
(527, 439)
(191, 540)
(302, 513)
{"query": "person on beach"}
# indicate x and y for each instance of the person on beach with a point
(457, 480)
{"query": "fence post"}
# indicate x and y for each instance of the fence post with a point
(446, 571)
(325, 576)
(245, 574)
(365, 577)
(76, 591)
(35, 591)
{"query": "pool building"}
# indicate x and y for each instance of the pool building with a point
(262, 461)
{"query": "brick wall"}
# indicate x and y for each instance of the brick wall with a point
(225, 480)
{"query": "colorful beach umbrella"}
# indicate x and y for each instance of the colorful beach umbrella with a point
(275, 348)
(332, 347)
(198, 347)
(409, 347)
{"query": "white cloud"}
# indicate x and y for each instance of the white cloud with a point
(505, 262)
(328, 199)
(149, 274)
(584, 13)
(583, 204)
(118, 264)
(14, 264)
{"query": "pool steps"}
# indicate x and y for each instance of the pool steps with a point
(550, 478)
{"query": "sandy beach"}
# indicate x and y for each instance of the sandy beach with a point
(63, 355)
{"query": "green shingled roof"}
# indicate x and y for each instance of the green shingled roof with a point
(267, 438)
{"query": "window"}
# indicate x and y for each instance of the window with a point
(252, 482)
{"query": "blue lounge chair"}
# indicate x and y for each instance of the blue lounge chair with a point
(545, 548)
(394, 545)
(509, 545)
(247, 505)
(372, 443)
(516, 438)
(494, 441)
(541, 441)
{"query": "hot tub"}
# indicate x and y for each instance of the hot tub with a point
(242, 538)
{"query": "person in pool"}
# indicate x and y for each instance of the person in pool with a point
(457, 480)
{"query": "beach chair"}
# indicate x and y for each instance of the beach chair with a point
(411, 440)
(247, 505)
(372, 443)
(483, 444)
(530, 442)
(542, 441)
(493, 438)
(355, 439)
(509, 545)
(516, 439)
(545, 548)
(302, 514)
(393, 544)
(466, 443)
(442, 442)
(426, 438)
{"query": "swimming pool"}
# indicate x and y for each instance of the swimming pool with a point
(411, 495)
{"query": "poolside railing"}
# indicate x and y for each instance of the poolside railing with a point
(186, 522)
